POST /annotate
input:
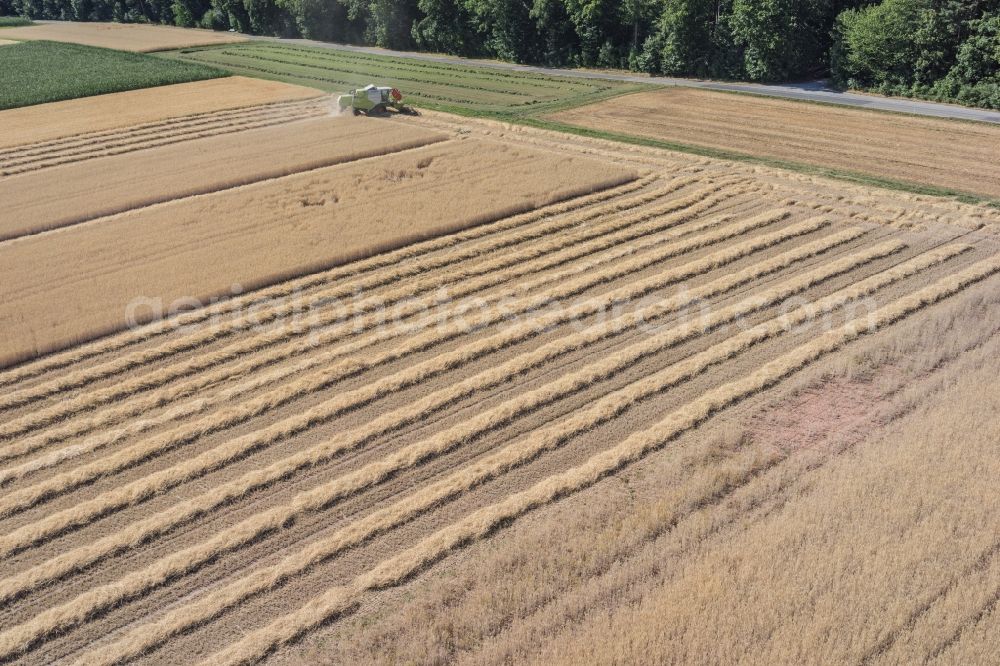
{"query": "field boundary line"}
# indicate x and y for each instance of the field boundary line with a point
(843, 175)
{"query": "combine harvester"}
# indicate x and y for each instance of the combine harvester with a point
(373, 100)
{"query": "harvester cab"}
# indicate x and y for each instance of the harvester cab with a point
(373, 100)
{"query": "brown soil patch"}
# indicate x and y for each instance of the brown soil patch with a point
(826, 415)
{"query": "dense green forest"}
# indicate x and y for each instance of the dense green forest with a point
(939, 49)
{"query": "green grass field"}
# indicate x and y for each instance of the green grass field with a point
(464, 89)
(38, 72)
(13, 21)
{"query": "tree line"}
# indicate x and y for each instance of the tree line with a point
(938, 49)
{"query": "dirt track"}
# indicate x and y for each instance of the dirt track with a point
(227, 485)
(955, 155)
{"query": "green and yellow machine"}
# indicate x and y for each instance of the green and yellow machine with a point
(373, 100)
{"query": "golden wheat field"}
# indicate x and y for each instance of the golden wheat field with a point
(489, 394)
(138, 37)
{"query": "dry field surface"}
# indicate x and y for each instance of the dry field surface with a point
(122, 36)
(953, 155)
(79, 282)
(576, 417)
(114, 174)
(7, 42)
(57, 124)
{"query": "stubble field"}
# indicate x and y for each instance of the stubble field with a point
(507, 421)
(951, 155)
(58, 125)
(138, 37)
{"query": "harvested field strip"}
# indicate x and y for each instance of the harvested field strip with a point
(59, 484)
(111, 185)
(561, 347)
(154, 129)
(47, 122)
(483, 522)
(503, 262)
(197, 380)
(132, 139)
(620, 295)
(411, 455)
(934, 152)
(29, 165)
(198, 339)
(396, 264)
(358, 328)
(265, 233)
(144, 638)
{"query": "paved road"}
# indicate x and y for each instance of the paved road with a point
(815, 91)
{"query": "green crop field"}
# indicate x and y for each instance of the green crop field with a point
(38, 72)
(467, 89)
(13, 22)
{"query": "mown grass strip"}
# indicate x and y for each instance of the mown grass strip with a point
(485, 521)
(439, 86)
